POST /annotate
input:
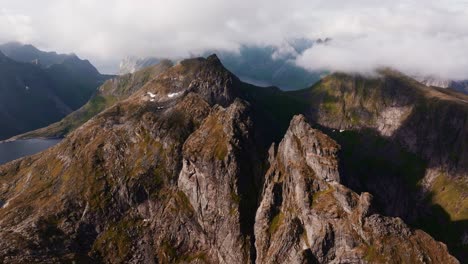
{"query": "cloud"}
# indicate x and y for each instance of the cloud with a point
(415, 54)
(426, 37)
(21, 25)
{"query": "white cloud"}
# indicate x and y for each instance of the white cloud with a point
(15, 26)
(416, 36)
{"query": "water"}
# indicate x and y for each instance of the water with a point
(19, 148)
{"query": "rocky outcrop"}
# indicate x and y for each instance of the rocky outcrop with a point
(173, 174)
(307, 216)
(218, 178)
(412, 139)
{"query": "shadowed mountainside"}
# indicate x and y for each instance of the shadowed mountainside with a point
(168, 155)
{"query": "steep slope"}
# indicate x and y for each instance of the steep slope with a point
(107, 95)
(67, 81)
(75, 80)
(307, 216)
(171, 174)
(116, 179)
(28, 98)
(219, 180)
(413, 140)
(29, 54)
(134, 64)
(271, 66)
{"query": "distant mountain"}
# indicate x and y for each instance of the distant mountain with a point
(270, 66)
(133, 64)
(460, 86)
(259, 65)
(76, 80)
(29, 53)
(107, 95)
(38, 88)
(28, 98)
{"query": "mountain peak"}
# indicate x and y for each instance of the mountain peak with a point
(206, 77)
(28, 53)
(214, 58)
(304, 207)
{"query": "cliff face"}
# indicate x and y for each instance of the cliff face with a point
(307, 216)
(413, 140)
(427, 121)
(219, 180)
(174, 173)
(110, 184)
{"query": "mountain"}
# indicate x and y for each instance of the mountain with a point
(28, 98)
(197, 166)
(260, 65)
(30, 54)
(108, 94)
(461, 86)
(412, 140)
(133, 64)
(76, 80)
(270, 66)
(307, 216)
(34, 95)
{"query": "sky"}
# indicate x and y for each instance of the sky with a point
(418, 37)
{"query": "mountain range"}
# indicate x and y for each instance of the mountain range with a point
(461, 86)
(275, 66)
(186, 163)
(38, 88)
(260, 65)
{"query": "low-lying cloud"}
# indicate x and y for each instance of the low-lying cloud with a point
(420, 37)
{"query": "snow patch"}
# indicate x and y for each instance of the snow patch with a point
(174, 94)
(152, 95)
(342, 130)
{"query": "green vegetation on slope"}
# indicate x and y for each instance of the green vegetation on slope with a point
(108, 94)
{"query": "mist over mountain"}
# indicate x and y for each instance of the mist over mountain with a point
(272, 66)
(260, 65)
(419, 38)
(30, 54)
(249, 131)
(461, 86)
(132, 64)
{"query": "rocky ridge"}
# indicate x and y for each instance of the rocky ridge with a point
(307, 216)
(173, 174)
(412, 139)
